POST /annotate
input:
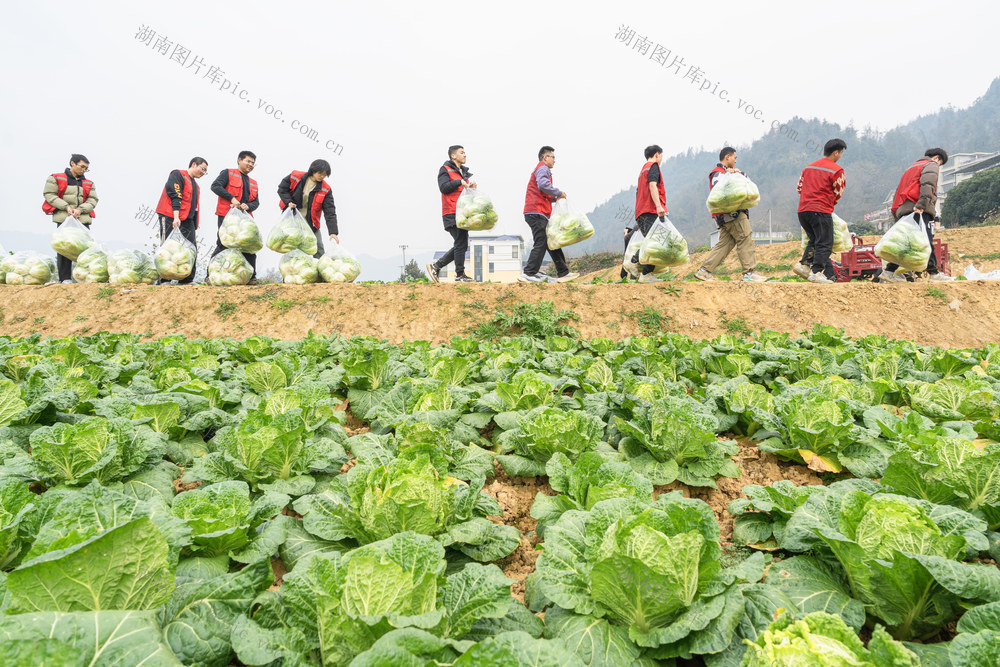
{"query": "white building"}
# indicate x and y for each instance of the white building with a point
(490, 258)
(961, 167)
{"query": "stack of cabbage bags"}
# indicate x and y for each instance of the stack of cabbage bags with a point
(664, 246)
(292, 233)
(339, 266)
(71, 238)
(28, 268)
(566, 227)
(228, 268)
(130, 267)
(240, 232)
(175, 259)
(732, 192)
(474, 211)
(298, 268)
(906, 244)
(841, 236)
(91, 266)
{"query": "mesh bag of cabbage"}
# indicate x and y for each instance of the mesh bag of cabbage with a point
(566, 226)
(292, 233)
(28, 267)
(175, 258)
(229, 267)
(338, 266)
(664, 245)
(71, 238)
(92, 265)
(474, 211)
(906, 244)
(240, 232)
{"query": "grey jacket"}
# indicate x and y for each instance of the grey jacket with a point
(928, 195)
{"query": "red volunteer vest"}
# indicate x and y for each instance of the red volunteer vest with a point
(166, 207)
(319, 194)
(235, 188)
(817, 186)
(717, 170)
(61, 184)
(643, 200)
(909, 184)
(536, 201)
(449, 201)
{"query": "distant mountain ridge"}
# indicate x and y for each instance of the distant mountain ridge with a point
(873, 163)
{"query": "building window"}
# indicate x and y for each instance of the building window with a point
(513, 252)
(491, 250)
(491, 267)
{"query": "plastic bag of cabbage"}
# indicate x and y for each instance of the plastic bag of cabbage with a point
(28, 268)
(71, 238)
(292, 233)
(841, 236)
(474, 211)
(91, 266)
(129, 267)
(732, 192)
(175, 259)
(566, 227)
(664, 245)
(630, 261)
(338, 266)
(298, 268)
(906, 244)
(229, 267)
(240, 232)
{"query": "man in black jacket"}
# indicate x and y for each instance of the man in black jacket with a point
(453, 177)
(311, 194)
(179, 205)
(235, 189)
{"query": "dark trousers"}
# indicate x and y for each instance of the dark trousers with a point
(250, 257)
(645, 223)
(64, 265)
(819, 230)
(320, 250)
(932, 266)
(457, 251)
(187, 228)
(537, 222)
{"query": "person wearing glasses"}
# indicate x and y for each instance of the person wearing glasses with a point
(180, 203)
(68, 194)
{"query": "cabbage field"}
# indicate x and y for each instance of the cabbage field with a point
(330, 501)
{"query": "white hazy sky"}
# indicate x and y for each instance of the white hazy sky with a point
(396, 82)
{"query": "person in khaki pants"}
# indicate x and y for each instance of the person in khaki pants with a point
(734, 229)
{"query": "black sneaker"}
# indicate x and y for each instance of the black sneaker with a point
(464, 279)
(433, 271)
(253, 281)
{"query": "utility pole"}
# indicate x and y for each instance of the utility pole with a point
(402, 269)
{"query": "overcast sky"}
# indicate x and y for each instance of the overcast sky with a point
(394, 83)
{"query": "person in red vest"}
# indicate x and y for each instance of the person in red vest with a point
(236, 189)
(453, 177)
(734, 229)
(179, 205)
(311, 194)
(537, 208)
(820, 187)
(650, 202)
(68, 193)
(917, 194)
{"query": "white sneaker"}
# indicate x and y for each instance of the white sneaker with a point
(432, 272)
(649, 278)
(537, 278)
(941, 278)
(801, 270)
(568, 277)
(819, 279)
(702, 274)
(890, 277)
(753, 277)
